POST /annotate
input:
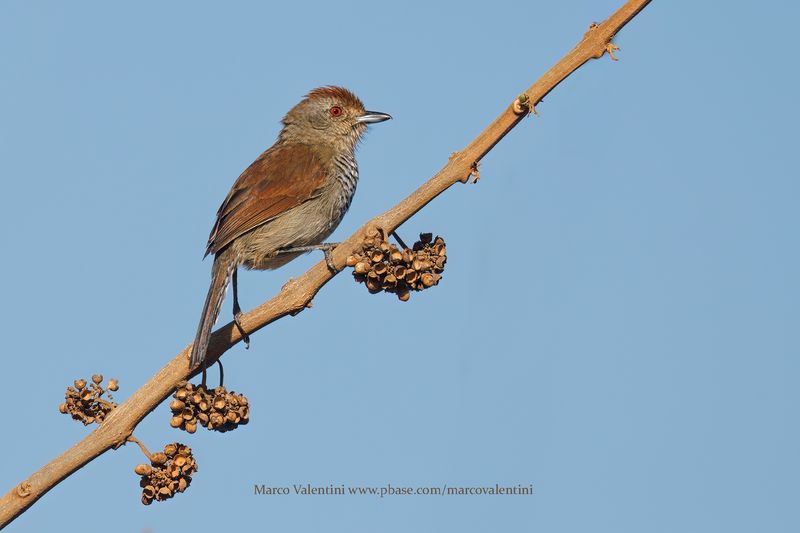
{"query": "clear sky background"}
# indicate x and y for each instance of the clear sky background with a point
(617, 325)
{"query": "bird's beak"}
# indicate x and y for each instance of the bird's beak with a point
(371, 117)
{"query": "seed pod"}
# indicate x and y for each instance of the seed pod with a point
(190, 427)
(429, 280)
(173, 471)
(158, 458)
(386, 268)
(373, 285)
(143, 469)
(403, 296)
(351, 260)
(219, 403)
(113, 385)
(176, 406)
(170, 450)
(176, 421)
(80, 384)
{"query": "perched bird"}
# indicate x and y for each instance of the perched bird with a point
(289, 200)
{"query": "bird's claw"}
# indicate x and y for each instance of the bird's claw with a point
(242, 332)
(329, 260)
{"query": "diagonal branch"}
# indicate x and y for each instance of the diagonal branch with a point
(297, 294)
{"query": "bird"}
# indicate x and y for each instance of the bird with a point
(288, 201)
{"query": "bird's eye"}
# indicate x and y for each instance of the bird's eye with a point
(336, 111)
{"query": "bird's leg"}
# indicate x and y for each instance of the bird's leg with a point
(326, 247)
(399, 240)
(237, 313)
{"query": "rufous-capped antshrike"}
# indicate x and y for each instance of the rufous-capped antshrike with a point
(289, 200)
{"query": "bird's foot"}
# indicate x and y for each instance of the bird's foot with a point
(326, 247)
(245, 337)
(329, 259)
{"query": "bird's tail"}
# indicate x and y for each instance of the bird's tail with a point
(220, 276)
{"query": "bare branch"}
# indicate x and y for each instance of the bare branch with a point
(297, 294)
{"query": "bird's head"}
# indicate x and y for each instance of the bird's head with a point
(331, 116)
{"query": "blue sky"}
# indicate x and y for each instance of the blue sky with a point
(617, 324)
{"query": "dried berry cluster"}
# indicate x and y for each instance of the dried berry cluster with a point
(383, 267)
(167, 474)
(217, 409)
(84, 401)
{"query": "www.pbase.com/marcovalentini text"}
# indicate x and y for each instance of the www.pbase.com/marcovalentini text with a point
(308, 489)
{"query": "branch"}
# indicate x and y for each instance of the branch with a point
(297, 294)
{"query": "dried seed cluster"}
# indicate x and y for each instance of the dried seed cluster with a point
(84, 401)
(167, 474)
(383, 267)
(217, 409)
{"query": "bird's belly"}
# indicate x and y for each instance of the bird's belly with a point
(305, 225)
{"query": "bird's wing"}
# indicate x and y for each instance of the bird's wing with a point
(281, 178)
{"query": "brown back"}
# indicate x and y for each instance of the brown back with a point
(281, 178)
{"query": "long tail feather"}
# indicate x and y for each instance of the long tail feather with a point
(220, 276)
